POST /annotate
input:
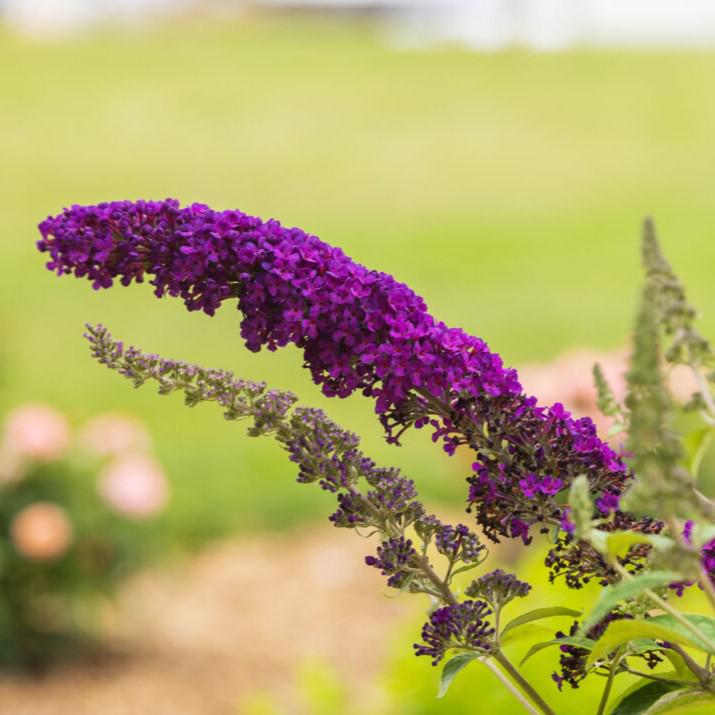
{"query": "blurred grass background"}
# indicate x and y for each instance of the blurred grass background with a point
(507, 189)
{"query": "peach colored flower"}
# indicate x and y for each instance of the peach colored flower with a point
(112, 434)
(41, 531)
(134, 485)
(37, 432)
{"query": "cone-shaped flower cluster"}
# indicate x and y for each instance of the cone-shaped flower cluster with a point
(359, 330)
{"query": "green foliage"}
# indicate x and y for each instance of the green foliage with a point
(451, 668)
(578, 641)
(605, 399)
(686, 701)
(641, 698)
(676, 315)
(626, 590)
(63, 551)
(695, 445)
(662, 628)
(535, 615)
(651, 440)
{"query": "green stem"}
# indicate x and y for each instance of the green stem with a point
(657, 678)
(519, 679)
(702, 674)
(665, 606)
(509, 685)
(609, 683)
(707, 586)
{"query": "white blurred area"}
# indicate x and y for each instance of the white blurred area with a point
(484, 25)
(48, 18)
(559, 24)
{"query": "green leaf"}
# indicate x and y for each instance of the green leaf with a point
(578, 641)
(683, 702)
(639, 699)
(617, 543)
(695, 445)
(642, 645)
(705, 624)
(451, 668)
(623, 590)
(703, 534)
(528, 630)
(678, 662)
(537, 614)
(620, 632)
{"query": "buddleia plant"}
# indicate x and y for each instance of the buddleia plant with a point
(632, 520)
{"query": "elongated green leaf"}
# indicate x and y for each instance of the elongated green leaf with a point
(617, 543)
(579, 641)
(451, 668)
(683, 702)
(678, 662)
(705, 624)
(611, 596)
(695, 445)
(620, 632)
(642, 645)
(528, 630)
(638, 699)
(537, 614)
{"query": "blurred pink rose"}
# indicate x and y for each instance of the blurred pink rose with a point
(569, 380)
(41, 531)
(36, 432)
(111, 435)
(134, 485)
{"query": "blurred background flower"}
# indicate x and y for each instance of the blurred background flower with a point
(134, 485)
(67, 537)
(41, 531)
(36, 432)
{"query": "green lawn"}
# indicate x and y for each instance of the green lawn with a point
(507, 189)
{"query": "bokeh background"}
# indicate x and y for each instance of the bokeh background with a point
(497, 157)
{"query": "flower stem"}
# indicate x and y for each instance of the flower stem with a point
(609, 683)
(665, 606)
(519, 679)
(658, 679)
(509, 685)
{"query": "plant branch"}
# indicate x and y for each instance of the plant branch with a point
(657, 678)
(702, 674)
(518, 678)
(609, 683)
(509, 685)
(665, 606)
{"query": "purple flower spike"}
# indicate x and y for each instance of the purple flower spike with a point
(359, 329)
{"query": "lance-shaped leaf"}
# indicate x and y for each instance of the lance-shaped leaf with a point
(577, 641)
(451, 668)
(613, 595)
(536, 615)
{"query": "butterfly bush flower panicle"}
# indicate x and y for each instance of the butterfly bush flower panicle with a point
(573, 658)
(463, 626)
(359, 329)
(497, 588)
(368, 496)
(394, 557)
